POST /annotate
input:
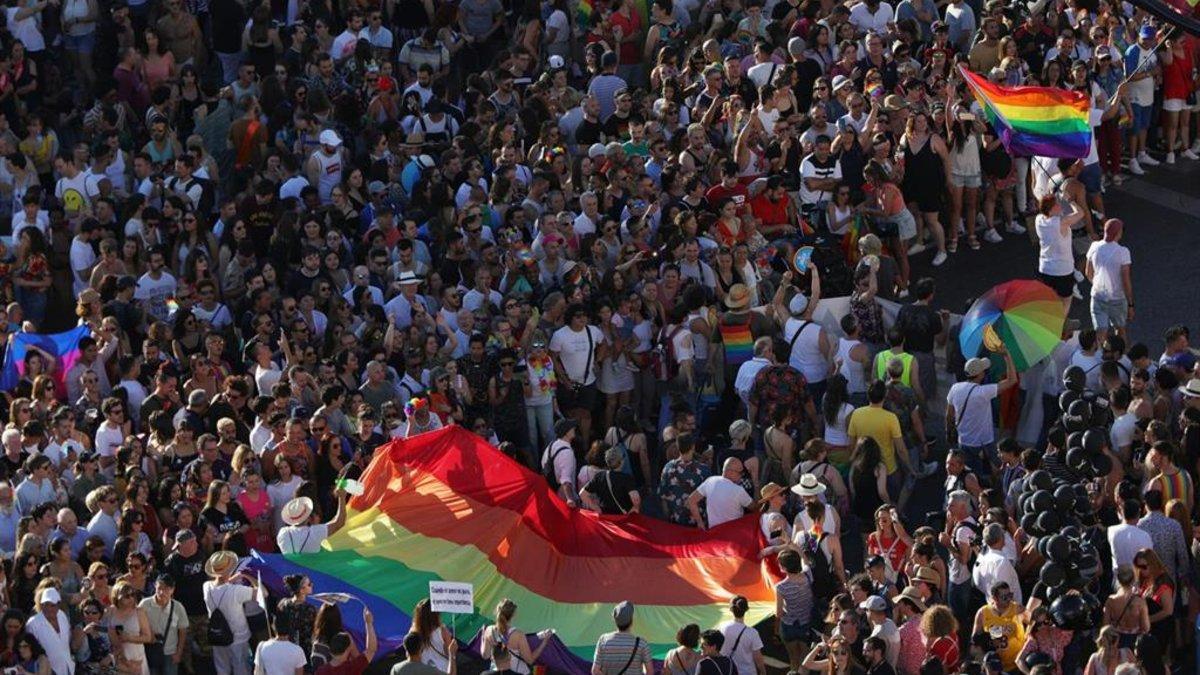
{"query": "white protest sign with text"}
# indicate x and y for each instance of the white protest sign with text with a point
(452, 596)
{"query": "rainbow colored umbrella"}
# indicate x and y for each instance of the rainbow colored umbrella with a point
(1027, 316)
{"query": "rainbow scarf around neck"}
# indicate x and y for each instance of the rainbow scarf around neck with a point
(1042, 121)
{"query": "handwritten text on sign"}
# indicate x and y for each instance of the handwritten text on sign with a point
(452, 596)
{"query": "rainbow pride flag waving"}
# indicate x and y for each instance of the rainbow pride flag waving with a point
(447, 506)
(1044, 121)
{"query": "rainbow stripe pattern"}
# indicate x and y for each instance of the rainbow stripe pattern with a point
(1043, 121)
(739, 343)
(447, 506)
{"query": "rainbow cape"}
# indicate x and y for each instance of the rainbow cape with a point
(447, 506)
(1030, 121)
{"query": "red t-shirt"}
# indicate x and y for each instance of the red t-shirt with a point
(945, 649)
(719, 192)
(354, 666)
(630, 52)
(772, 214)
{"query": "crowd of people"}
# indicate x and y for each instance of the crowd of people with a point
(570, 227)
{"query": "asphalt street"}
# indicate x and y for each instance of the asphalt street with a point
(1161, 211)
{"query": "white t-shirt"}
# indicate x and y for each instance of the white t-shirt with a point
(1107, 258)
(1124, 429)
(572, 348)
(564, 461)
(1055, 257)
(73, 193)
(866, 22)
(25, 30)
(301, 538)
(278, 657)
(725, 500)
(230, 598)
(154, 293)
(280, 494)
(972, 404)
(83, 256)
(1090, 364)
(1141, 92)
(746, 639)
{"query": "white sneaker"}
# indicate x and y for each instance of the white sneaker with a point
(1135, 168)
(991, 236)
(980, 221)
(1076, 293)
(939, 258)
(1146, 159)
(1190, 154)
(1195, 149)
(1170, 158)
(1015, 228)
(916, 248)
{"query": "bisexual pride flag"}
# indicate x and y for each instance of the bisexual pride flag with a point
(62, 346)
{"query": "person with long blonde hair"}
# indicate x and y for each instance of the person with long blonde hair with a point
(1109, 654)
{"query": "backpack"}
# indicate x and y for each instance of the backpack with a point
(220, 634)
(548, 468)
(208, 193)
(665, 365)
(824, 583)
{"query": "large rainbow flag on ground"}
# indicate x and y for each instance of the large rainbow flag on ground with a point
(447, 506)
(1044, 121)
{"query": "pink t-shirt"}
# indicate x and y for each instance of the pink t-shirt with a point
(259, 536)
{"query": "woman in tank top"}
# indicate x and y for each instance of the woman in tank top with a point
(835, 411)
(504, 633)
(434, 636)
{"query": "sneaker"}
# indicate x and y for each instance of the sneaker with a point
(991, 236)
(902, 294)
(1135, 168)
(1190, 154)
(1195, 149)
(1170, 158)
(916, 248)
(1015, 228)
(1076, 293)
(939, 258)
(1146, 159)
(980, 221)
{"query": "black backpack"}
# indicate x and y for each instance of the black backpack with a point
(220, 634)
(548, 467)
(824, 583)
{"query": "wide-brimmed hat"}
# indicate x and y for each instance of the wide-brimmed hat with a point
(926, 574)
(738, 297)
(220, 563)
(1191, 389)
(297, 511)
(809, 486)
(911, 594)
(770, 490)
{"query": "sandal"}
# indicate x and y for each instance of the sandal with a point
(952, 246)
(973, 243)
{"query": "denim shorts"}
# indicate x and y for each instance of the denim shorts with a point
(1141, 116)
(794, 632)
(963, 181)
(1090, 177)
(1109, 313)
(80, 43)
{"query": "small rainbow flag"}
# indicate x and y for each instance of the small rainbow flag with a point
(1043, 121)
(447, 506)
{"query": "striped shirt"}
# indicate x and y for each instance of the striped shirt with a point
(1177, 485)
(614, 649)
(796, 596)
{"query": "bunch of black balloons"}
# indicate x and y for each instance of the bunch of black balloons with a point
(1057, 513)
(1085, 419)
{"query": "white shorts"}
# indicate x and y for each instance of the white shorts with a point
(1174, 104)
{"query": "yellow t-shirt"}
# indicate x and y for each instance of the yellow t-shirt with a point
(1013, 633)
(880, 424)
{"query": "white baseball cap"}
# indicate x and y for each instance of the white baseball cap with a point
(329, 137)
